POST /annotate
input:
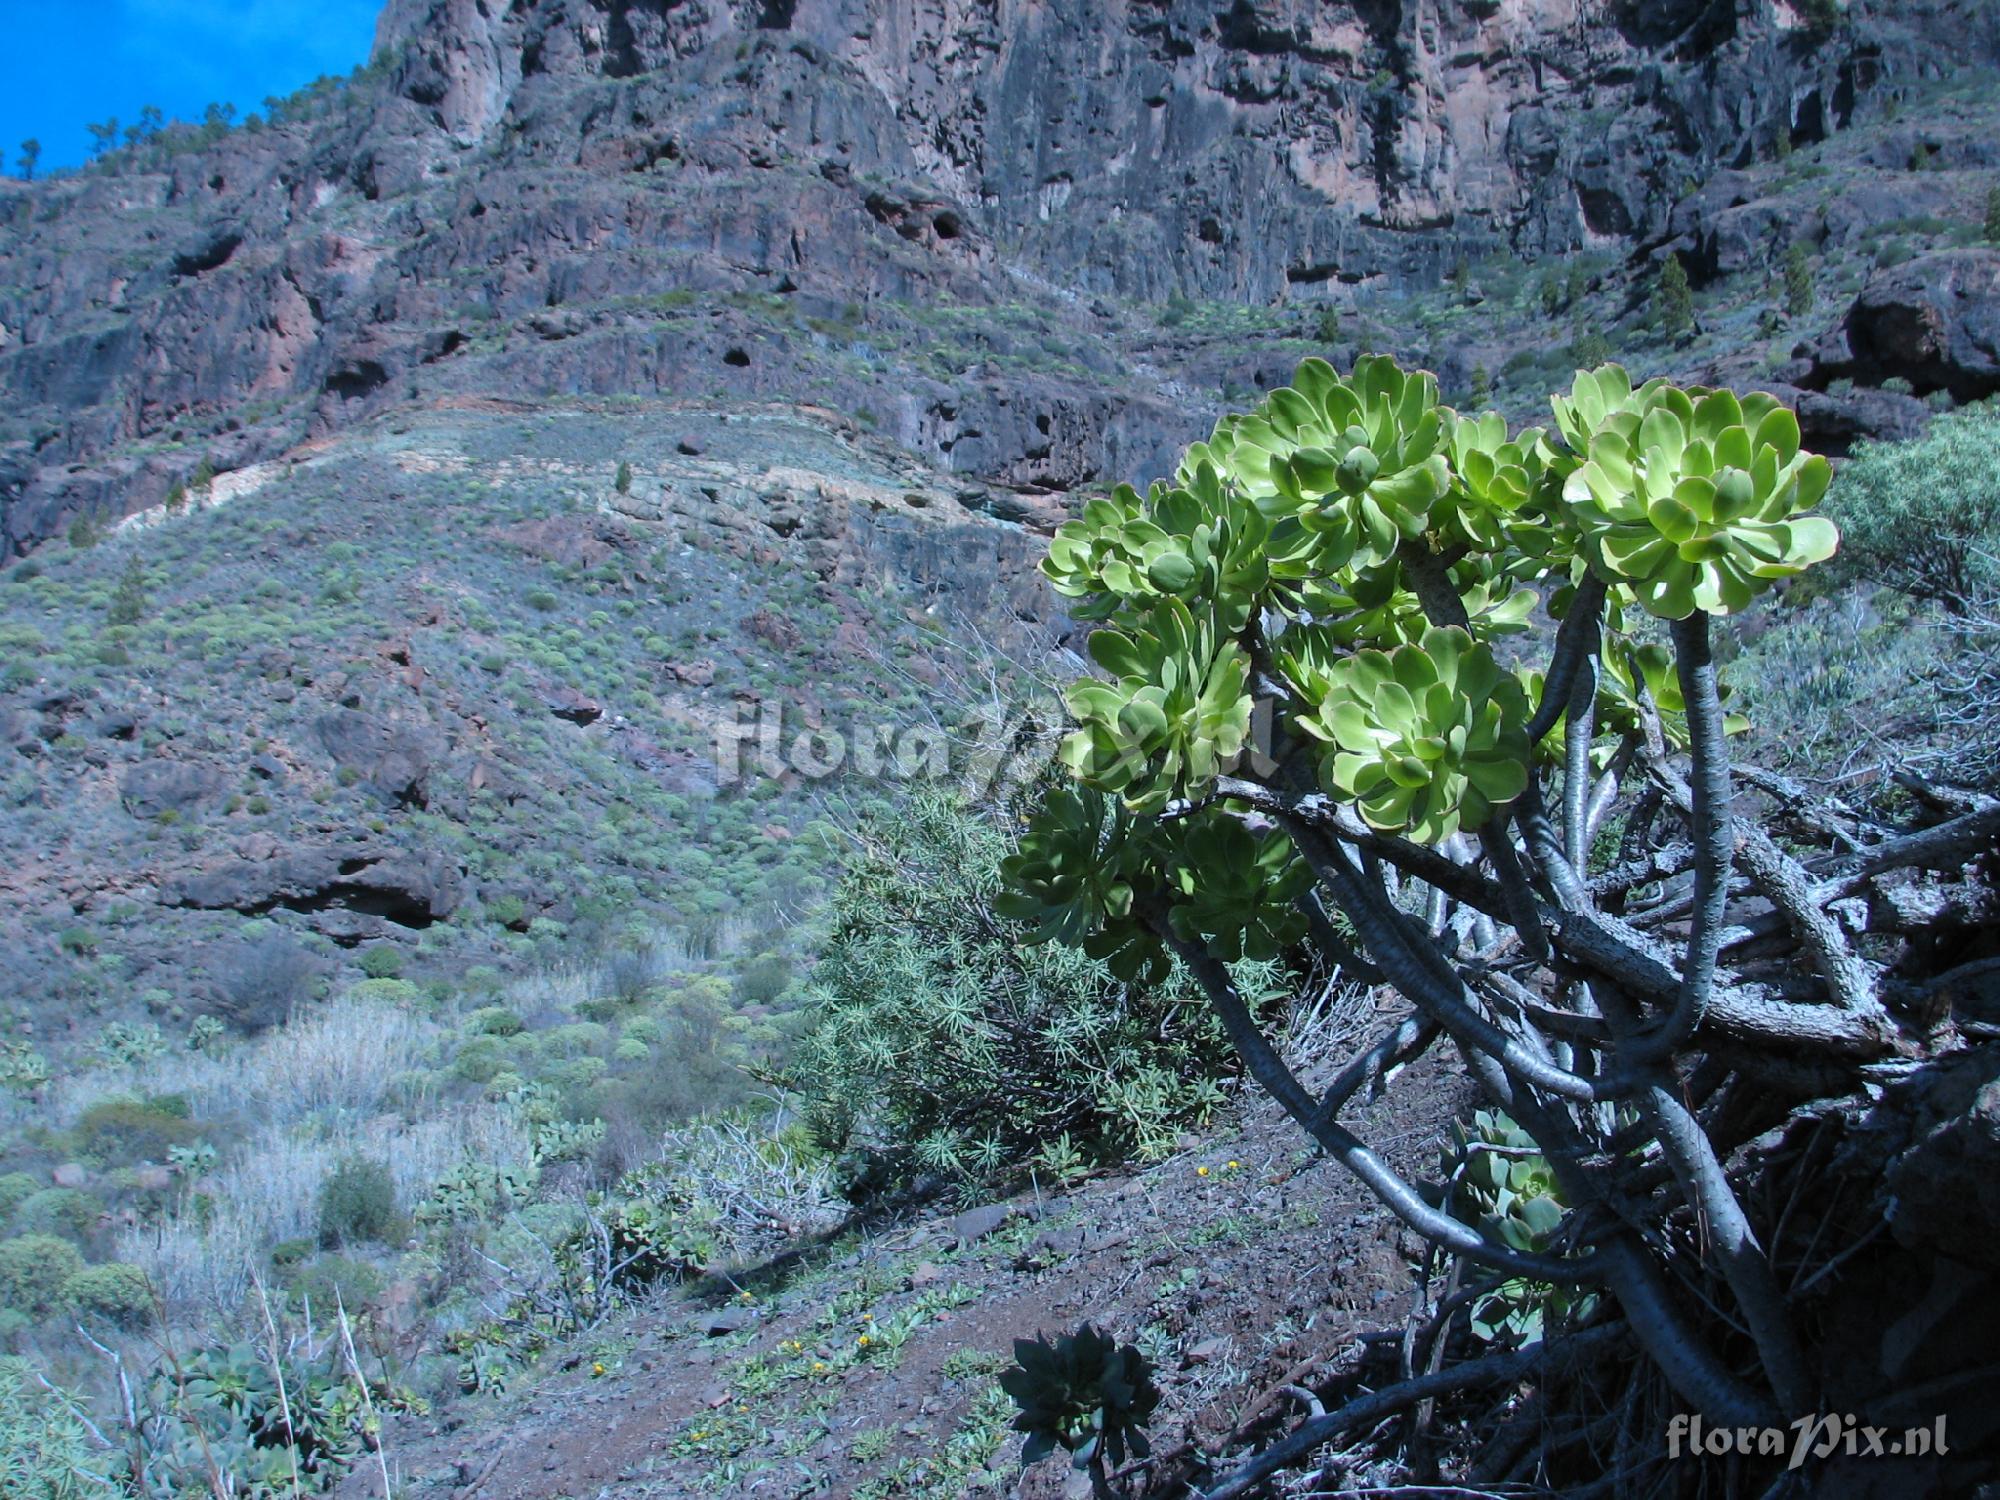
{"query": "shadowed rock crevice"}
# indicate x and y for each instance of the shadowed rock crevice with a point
(209, 254)
(411, 890)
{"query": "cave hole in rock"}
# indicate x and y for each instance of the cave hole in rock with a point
(208, 257)
(358, 379)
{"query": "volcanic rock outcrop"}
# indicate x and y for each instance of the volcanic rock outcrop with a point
(712, 197)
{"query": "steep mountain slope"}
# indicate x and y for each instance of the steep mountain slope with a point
(441, 684)
(959, 219)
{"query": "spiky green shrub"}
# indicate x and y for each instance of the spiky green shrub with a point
(940, 1044)
(1924, 516)
(128, 605)
(329, 1282)
(1085, 1393)
(46, 1453)
(480, 1058)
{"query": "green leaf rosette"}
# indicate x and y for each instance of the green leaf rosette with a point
(1495, 482)
(1357, 462)
(1084, 1393)
(1076, 876)
(1175, 715)
(1692, 499)
(1425, 739)
(1198, 539)
(1236, 891)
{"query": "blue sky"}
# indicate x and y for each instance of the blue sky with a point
(65, 62)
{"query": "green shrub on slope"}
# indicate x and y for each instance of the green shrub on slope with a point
(1924, 516)
(45, 1452)
(942, 1044)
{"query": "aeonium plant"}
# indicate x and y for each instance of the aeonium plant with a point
(1366, 562)
(1424, 738)
(1085, 1393)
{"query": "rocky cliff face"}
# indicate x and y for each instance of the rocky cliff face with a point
(697, 197)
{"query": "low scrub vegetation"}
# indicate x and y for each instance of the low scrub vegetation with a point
(942, 1049)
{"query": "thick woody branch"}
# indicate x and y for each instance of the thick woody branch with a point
(1486, 1373)
(1576, 639)
(1430, 580)
(1423, 976)
(1738, 1011)
(1733, 1243)
(1321, 812)
(1580, 729)
(1709, 826)
(1848, 977)
(1404, 1042)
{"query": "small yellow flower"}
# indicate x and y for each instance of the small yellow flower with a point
(1235, 1166)
(868, 1317)
(862, 1341)
(1201, 1171)
(597, 1369)
(819, 1366)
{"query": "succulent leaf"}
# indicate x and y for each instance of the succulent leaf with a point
(1236, 891)
(1074, 878)
(1085, 1393)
